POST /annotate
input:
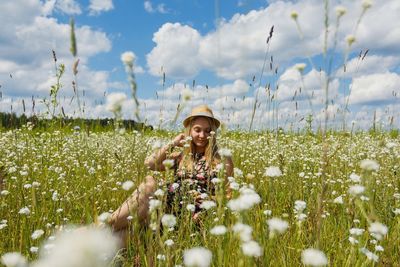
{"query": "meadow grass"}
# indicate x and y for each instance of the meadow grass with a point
(71, 177)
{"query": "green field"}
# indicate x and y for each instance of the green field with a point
(71, 177)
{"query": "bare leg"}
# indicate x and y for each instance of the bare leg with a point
(137, 203)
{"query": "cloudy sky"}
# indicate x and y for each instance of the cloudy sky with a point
(221, 53)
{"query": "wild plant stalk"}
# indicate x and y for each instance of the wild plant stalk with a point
(74, 52)
(261, 75)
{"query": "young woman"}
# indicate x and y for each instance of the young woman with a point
(194, 168)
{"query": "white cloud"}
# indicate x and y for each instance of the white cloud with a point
(98, 6)
(237, 47)
(160, 8)
(382, 88)
(69, 7)
(176, 51)
(26, 52)
(369, 65)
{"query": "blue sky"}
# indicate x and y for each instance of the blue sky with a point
(219, 44)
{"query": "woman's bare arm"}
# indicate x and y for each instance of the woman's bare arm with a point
(155, 160)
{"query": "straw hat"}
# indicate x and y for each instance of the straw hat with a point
(201, 111)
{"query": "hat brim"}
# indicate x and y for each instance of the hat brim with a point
(200, 114)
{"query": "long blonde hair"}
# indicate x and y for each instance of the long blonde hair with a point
(211, 152)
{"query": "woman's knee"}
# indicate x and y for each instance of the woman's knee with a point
(150, 184)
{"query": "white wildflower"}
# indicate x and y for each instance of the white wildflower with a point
(252, 248)
(378, 229)
(396, 211)
(244, 231)
(37, 234)
(340, 11)
(13, 259)
(356, 190)
(161, 257)
(247, 199)
(197, 257)
(299, 206)
(369, 165)
(355, 178)
(352, 240)
(370, 255)
(127, 185)
(366, 4)
(356, 231)
(24, 211)
(300, 67)
(313, 257)
(277, 225)
(154, 204)
(224, 152)
(168, 220)
(208, 204)
(273, 171)
(168, 163)
(73, 248)
(191, 207)
(338, 200)
(128, 58)
(105, 217)
(159, 193)
(218, 230)
(187, 94)
(115, 101)
(169, 242)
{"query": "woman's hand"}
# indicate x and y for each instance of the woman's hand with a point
(179, 140)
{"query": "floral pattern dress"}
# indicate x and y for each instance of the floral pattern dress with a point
(191, 187)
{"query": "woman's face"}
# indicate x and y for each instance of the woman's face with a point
(200, 132)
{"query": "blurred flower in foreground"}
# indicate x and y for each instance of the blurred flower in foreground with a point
(378, 230)
(300, 67)
(128, 58)
(340, 11)
(252, 248)
(247, 199)
(13, 259)
(197, 257)
(127, 185)
(168, 220)
(369, 165)
(115, 101)
(218, 230)
(313, 257)
(276, 225)
(89, 247)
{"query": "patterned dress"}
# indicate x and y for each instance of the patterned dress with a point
(191, 187)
